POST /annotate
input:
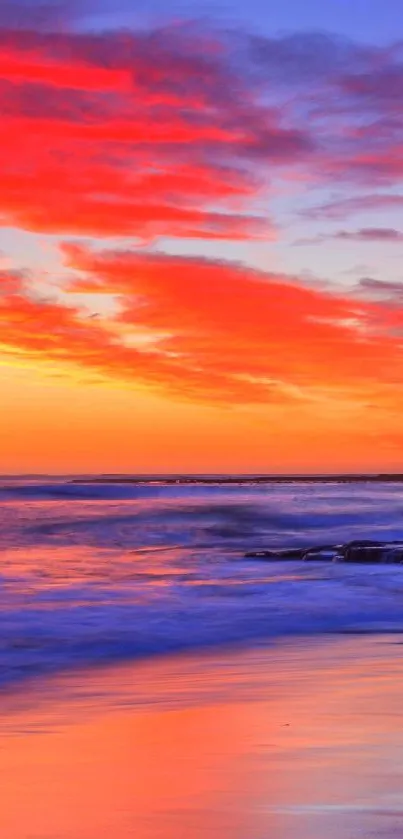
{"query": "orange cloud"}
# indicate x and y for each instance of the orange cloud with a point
(211, 332)
(178, 132)
(227, 317)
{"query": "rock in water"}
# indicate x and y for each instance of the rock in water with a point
(282, 553)
(317, 552)
(367, 552)
(360, 551)
(321, 553)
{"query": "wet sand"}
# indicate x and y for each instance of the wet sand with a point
(300, 741)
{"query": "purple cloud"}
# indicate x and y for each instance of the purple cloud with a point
(37, 15)
(381, 290)
(369, 234)
(339, 209)
(364, 234)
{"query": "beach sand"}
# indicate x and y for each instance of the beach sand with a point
(300, 741)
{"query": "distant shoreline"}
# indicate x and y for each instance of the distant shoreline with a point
(238, 479)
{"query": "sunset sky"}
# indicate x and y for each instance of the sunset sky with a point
(202, 236)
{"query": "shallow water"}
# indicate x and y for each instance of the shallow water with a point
(93, 572)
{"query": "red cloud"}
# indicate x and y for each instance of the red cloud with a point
(177, 132)
(144, 135)
(11, 282)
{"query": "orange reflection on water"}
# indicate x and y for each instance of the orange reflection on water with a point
(294, 742)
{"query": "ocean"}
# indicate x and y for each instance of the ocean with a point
(96, 572)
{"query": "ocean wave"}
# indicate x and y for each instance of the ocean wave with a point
(87, 576)
(76, 625)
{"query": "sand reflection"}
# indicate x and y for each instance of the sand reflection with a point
(301, 741)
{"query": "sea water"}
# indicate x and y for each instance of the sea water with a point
(95, 572)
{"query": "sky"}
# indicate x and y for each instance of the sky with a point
(201, 234)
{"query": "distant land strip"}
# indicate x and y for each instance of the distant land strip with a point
(238, 479)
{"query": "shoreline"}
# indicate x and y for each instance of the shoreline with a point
(58, 677)
(235, 743)
(167, 480)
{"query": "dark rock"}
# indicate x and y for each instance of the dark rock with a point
(360, 543)
(395, 555)
(317, 552)
(290, 553)
(282, 553)
(361, 551)
(320, 553)
(375, 553)
(363, 554)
